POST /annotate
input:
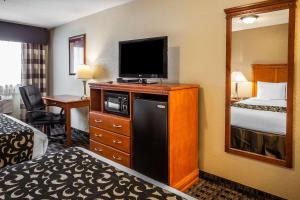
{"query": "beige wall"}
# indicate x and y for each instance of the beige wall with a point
(196, 31)
(265, 45)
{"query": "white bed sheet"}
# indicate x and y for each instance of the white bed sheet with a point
(40, 140)
(264, 121)
(134, 173)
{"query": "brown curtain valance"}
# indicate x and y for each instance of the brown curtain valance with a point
(23, 33)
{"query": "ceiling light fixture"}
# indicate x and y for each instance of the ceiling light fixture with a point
(250, 19)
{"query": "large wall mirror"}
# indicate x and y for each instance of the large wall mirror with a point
(259, 81)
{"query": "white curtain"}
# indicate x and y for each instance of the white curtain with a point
(10, 63)
(10, 74)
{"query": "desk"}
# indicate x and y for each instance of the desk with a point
(67, 102)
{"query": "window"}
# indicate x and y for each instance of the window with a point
(78, 57)
(10, 63)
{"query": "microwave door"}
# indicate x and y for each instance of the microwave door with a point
(113, 106)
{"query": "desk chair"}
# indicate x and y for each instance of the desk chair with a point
(37, 115)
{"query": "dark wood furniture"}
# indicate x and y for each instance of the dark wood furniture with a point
(67, 102)
(111, 135)
(257, 8)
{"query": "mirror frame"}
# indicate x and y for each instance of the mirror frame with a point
(73, 39)
(257, 8)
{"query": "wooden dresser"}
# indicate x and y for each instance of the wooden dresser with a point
(111, 134)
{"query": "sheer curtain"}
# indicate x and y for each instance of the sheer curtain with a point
(10, 66)
(10, 77)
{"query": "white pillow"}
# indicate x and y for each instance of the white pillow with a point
(266, 90)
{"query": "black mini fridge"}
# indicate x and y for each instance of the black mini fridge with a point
(150, 138)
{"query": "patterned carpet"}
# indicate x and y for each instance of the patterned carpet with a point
(207, 189)
(79, 138)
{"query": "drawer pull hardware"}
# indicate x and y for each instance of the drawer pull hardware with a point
(98, 121)
(117, 126)
(117, 142)
(99, 150)
(117, 157)
(98, 135)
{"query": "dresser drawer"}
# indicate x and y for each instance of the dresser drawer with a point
(110, 123)
(115, 140)
(110, 153)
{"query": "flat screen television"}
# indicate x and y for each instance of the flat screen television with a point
(144, 58)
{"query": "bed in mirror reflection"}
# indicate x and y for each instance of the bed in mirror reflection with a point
(258, 123)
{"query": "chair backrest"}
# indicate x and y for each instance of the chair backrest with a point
(32, 98)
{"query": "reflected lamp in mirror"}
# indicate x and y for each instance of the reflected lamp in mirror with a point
(237, 77)
(84, 73)
(250, 19)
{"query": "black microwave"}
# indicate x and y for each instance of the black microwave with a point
(116, 103)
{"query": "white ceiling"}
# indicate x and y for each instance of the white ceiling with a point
(264, 19)
(52, 13)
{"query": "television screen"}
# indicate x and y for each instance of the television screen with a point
(145, 58)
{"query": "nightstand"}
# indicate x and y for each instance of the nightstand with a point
(234, 100)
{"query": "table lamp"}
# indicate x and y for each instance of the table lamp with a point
(237, 77)
(84, 72)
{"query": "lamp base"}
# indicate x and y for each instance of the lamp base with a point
(84, 97)
(84, 90)
(236, 90)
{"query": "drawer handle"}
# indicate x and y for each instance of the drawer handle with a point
(117, 142)
(99, 150)
(117, 157)
(117, 126)
(98, 135)
(98, 121)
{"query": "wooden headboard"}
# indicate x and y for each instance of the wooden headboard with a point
(273, 73)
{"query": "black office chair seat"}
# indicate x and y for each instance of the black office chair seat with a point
(50, 118)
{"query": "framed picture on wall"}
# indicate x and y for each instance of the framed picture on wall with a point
(76, 52)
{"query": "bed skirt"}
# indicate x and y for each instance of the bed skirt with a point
(268, 144)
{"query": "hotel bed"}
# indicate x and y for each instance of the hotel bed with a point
(258, 124)
(19, 141)
(77, 173)
(262, 115)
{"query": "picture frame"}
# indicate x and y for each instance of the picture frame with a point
(77, 52)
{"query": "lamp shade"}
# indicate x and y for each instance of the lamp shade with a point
(97, 72)
(238, 77)
(84, 72)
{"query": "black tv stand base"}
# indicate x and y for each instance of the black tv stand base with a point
(145, 81)
(135, 81)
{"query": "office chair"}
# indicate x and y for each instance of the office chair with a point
(37, 115)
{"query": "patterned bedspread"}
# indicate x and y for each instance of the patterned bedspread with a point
(16, 142)
(260, 107)
(74, 174)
